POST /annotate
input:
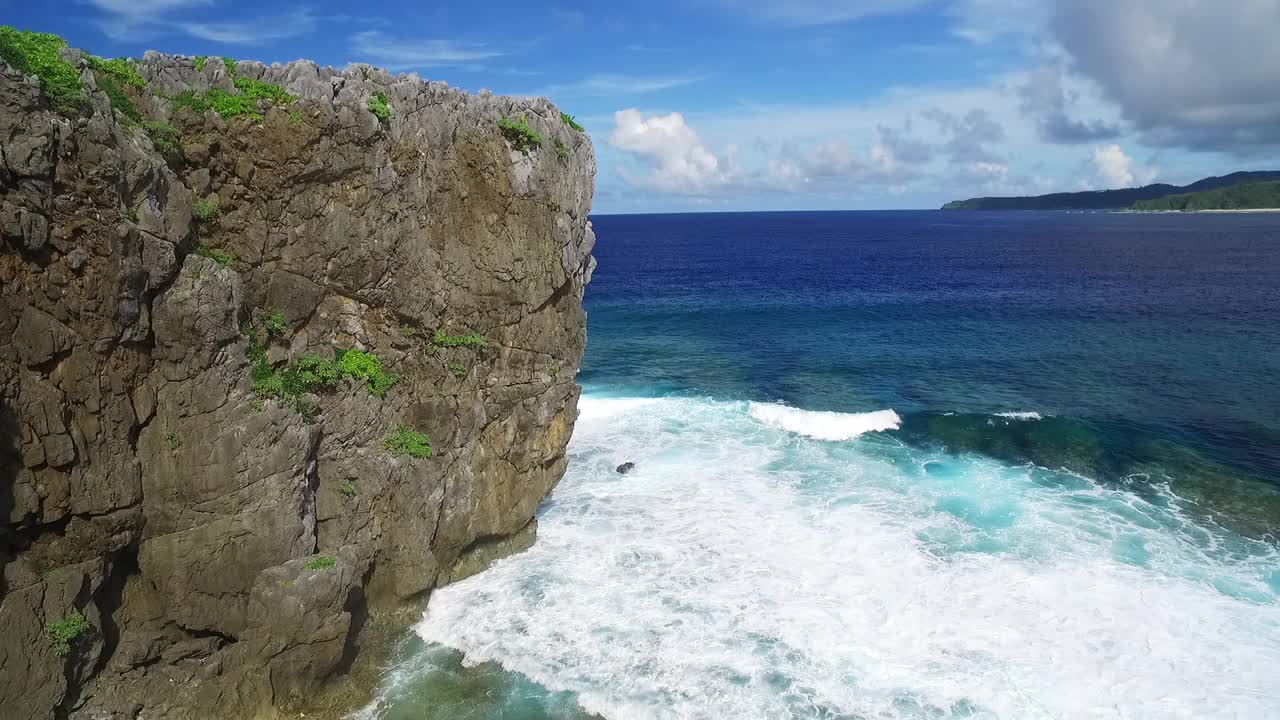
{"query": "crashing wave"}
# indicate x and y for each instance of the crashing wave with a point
(824, 424)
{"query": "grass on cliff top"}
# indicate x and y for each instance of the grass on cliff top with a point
(404, 440)
(379, 106)
(62, 632)
(123, 70)
(38, 54)
(519, 134)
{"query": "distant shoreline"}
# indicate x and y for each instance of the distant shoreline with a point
(1235, 210)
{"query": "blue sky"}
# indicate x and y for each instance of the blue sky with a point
(836, 104)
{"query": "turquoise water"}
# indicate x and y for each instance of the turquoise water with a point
(916, 473)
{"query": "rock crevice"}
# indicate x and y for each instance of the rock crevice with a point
(227, 540)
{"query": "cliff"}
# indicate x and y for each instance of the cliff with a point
(285, 346)
(1108, 199)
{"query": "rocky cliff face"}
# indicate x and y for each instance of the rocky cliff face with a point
(223, 522)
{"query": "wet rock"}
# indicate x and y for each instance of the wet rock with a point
(625, 468)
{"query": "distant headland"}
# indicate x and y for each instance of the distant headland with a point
(1203, 194)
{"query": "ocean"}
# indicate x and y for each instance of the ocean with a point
(897, 465)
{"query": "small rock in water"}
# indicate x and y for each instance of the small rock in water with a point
(626, 467)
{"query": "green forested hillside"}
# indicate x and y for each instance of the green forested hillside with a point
(1109, 199)
(1237, 197)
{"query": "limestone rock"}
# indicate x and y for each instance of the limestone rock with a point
(147, 483)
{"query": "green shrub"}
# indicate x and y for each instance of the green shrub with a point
(62, 632)
(173, 441)
(123, 70)
(378, 106)
(230, 65)
(276, 325)
(200, 61)
(320, 562)
(443, 339)
(206, 210)
(229, 106)
(347, 489)
(361, 365)
(407, 441)
(519, 134)
(222, 257)
(295, 118)
(459, 370)
(37, 54)
(220, 101)
(249, 87)
(571, 122)
(408, 331)
(562, 150)
(164, 137)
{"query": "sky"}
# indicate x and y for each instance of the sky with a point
(722, 105)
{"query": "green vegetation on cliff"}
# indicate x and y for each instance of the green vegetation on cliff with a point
(1108, 199)
(62, 632)
(320, 562)
(1238, 197)
(519, 134)
(407, 441)
(569, 120)
(40, 54)
(379, 106)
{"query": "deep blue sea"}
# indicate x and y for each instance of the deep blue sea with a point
(898, 465)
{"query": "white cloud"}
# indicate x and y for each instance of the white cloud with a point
(145, 8)
(255, 32)
(819, 12)
(1115, 169)
(375, 47)
(138, 19)
(679, 161)
(609, 85)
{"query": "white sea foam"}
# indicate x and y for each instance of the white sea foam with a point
(1021, 415)
(825, 425)
(740, 574)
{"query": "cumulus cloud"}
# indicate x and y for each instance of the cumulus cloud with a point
(1115, 169)
(1051, 106)
(1196, 73)
(679, 161)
